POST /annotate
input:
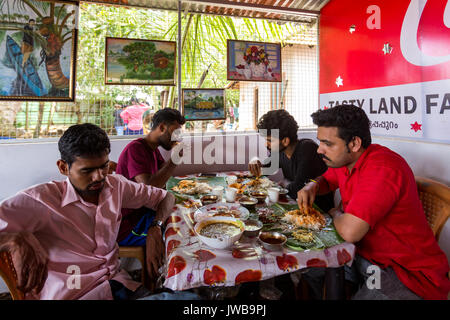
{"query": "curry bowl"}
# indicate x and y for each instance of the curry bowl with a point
(248, 202)
(272, 241)
(219, 232)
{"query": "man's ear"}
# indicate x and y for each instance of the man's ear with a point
(286, 141)
(63, 167)
(356, 144)
(162, 127)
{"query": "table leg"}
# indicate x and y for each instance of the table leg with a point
(334, 284)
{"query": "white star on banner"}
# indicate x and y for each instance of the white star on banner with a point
(387, 48)
(339, 81)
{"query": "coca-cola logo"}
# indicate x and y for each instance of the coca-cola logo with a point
(408, 38)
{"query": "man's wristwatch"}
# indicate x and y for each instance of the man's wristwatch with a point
(158, 223)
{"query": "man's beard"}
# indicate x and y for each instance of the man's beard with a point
(165, 141)
(279, 150)
(87, 191)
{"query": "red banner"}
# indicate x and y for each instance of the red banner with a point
(391, 58)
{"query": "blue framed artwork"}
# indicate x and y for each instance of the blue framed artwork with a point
(38, 50)
(253, 61)
(203, 104)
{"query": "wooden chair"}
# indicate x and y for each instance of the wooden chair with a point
(435, 198)
(130, 252)
(9, 275)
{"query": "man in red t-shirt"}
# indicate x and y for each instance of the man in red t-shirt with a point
(381, 211)
(141, 161)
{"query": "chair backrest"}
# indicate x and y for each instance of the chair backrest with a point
(435, 198)
(112, 166)
(9, 275)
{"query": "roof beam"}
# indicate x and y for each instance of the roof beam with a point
(255, 7)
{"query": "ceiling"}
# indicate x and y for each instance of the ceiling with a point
(283, 10)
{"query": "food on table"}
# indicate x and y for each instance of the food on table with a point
(252, 227)
(259, 183)
(209, 199)
(189, 203)
(312, 220)
(227, 213)
(303, 235)
(192, 187)
(259, 195)
(239, 186)
(219, 230)
(267, 215)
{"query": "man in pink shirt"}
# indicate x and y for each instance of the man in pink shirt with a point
(132, 116)
(62, 234)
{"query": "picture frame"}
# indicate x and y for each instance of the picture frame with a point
(38, 50)
(203, 104)
(139, 62)
(253, 61)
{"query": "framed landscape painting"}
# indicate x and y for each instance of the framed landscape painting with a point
(253, 61)
(203, 104)
(38, 50)
(140, 62)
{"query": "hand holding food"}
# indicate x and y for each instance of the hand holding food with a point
(306, 196)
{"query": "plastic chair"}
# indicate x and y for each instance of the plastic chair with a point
(130, 252)
(9, 275)
(435, 198)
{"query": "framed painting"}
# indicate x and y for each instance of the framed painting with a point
(38, 42)
(203, 104)
(140, 62)
(253, 61)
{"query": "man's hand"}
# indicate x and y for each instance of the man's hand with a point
(306, 196)
(155, 253)
(255, 167)
(30, 261)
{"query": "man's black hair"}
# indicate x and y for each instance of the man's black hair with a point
(167, 116)
(83, 140)
(279, 120)
(350, 120)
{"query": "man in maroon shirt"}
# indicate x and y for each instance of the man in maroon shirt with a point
(141, 161)
(381, 211)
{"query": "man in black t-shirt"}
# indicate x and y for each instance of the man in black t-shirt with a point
(299, 160)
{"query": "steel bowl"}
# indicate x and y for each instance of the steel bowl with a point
(248, 202)
(272, 241)
(259, 195)
(209, 199)
(252, 228)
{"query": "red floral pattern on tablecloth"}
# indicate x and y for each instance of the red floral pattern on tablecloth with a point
(176, 265)
(204, 255)
(287, 262)
(248, 276)
(214, 276)
(192, 264)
